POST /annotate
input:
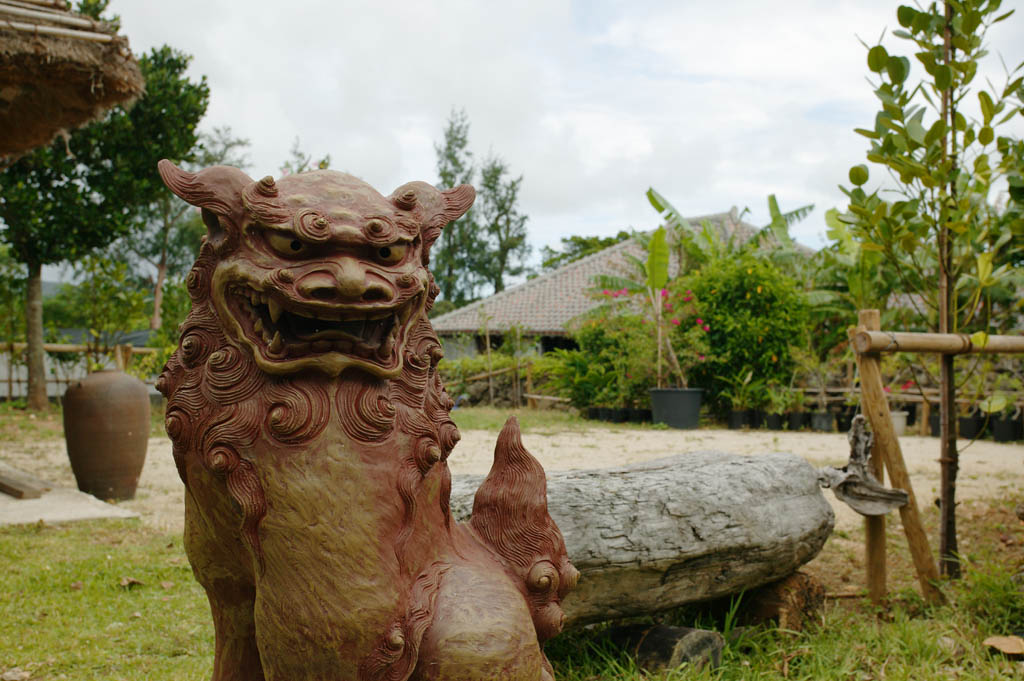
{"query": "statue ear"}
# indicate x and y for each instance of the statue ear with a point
(216, 191)
(457, 201)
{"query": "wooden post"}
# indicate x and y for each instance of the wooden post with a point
(924, 428)
(874, 526)
(876, 407)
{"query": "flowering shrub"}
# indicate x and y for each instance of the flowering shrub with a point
(753, 313)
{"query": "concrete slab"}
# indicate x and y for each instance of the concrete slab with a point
(58, 505)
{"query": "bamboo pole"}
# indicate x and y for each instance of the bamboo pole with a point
(71, 347)
(52, 4)
(870, 340)
(57, 31)
(876, 407)
(66, 19)
(874, 526)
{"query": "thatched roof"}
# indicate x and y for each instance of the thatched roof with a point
(58, 71)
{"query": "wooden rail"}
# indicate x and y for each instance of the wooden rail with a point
(868, 340)
(73, 347)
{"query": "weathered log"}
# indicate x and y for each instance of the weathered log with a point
(677, 530)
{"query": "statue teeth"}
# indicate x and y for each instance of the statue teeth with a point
(258, 325)
(275, 309)
(276, 344)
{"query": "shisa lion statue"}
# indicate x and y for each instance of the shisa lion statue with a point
(311, 429)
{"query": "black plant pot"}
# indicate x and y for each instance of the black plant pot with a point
(593, 413)
(738, 419)
(773, 421)
(755, 418)
(972, 427)
(604, 413)
(620, 415)
(822, 421)
(911, 410)
(1007, 429)
(640, 415)
(933, 423)
(795, 420)
(676, 407)
(844, 420)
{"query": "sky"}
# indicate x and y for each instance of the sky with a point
(714, 104)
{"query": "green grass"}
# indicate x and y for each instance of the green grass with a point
(66, 614)
(906, 642)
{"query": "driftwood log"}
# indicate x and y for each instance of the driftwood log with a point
(677, 530)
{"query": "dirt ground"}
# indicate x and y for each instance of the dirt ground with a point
(988, 471)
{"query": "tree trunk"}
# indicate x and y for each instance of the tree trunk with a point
(687, 528)
(158, 293)
(948, 456)
(37, 399)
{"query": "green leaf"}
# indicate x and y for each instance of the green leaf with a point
(985, 269)
(898, 68)
(1003, 16)
(987, 107)
(657, 260)
(906, 15)
(985, 135)
(870, 134)
(877, 58)
(916, 131)
(993, 404)
(859, 174)
(943, 77)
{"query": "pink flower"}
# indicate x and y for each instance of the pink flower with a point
(699, 321)
(907, 386)
(687, 299)
(886, 388)
(624, 292)
(700, 357)
(689, 292)
(668, 306)
(676, 322)
(707, 327)
(664, 293)
(606, 292)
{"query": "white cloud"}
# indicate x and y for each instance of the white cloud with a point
(715, 104)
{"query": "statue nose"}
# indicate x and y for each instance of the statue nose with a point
(346, 281)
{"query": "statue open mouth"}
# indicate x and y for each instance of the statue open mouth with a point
(287, 336)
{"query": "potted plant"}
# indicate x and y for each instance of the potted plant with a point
(778, 400)
(741, 395)
(668, 318)
(816, 372)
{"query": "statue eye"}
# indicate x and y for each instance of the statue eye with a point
(391, 255)
(286, 244)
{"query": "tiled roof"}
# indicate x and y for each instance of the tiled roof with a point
(543, 305)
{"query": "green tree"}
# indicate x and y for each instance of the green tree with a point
(299, 161)
(60, 202)
(165, 238)
(457, 252)
(947, 243)
(105, 303)
(576, 247)
(503, 225)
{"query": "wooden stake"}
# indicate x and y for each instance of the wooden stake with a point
(876, 407)
(874, 526)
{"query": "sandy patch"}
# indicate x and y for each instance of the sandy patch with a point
(987, 469)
